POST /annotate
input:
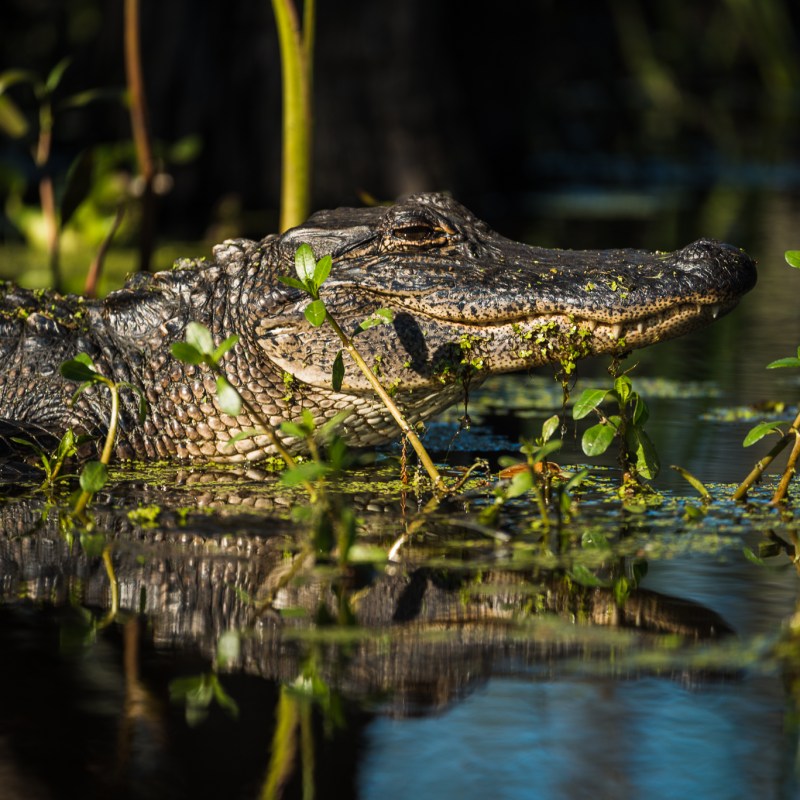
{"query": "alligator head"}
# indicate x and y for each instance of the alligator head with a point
(466, 303)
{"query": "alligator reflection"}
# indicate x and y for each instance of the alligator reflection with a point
(238, 591)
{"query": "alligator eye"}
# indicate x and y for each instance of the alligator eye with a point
(417, 233)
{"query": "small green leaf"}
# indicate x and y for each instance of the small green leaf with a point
(294, 429)
(293, 282)
(549, 427)
(200, 337)
(793, 258)
(224, 347)
(520, 483)
(541, 453)
(229, 647)
(187, 353)
(784, 362)
(623, 387)
(229, 399)
(763, 429)
(321, 271)
(587, 402)
(94, 476)
(643, 449)
(305, 264)
(56, 74)
(337, 375)
(582, 575)
(381, 316)
(597, 439)
(695, 482)
(12, 121)
(246, 434)
(78, 370)
(315, 312)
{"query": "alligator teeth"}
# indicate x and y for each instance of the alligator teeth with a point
(590, 324)
(715, 311)
(616, 331)
(640, 327)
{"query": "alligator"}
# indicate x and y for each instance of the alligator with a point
(467, 303)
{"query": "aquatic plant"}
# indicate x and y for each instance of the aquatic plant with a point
(787, 430)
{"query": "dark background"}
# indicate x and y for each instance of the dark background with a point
(521, 110)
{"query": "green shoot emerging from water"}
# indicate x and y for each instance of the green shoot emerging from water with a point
(788, 430)
(81, 370)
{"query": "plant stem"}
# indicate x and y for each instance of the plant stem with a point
(139, 126)
(296, 76)
(95, 270)
(760, 467)
(405, 427)
(789, 472)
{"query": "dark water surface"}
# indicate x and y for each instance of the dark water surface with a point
(475, 664)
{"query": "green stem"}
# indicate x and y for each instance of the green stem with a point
(296, 77)
(405, 427)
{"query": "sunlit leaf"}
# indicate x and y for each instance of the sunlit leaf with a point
(541, 453)
(623, 388)
(793, 258)
(644, 451)
(305, 264)
(597, 439)
(582, 575)
(187, 353)
(230, 401)
(12, 121)
(321, 271)
(520, 483)
(294, 429)
(791, 361)
(246, 434)
(200, 337)
(94, 476)
(381, 316)
(587, 402)
(763, 429)
(315, 313)
(293, 282)
(56, 74)
(695, 482)
(550, 426)
(224, 347)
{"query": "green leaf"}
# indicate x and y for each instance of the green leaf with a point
(224, 347)
(597, 439)
(294, 429)
(695, 482)
(229, 399)
(315, 312)
(81, 99)
(640, 411)
(550, 426)
(784, 362)
(793, 258)
(337, 375)
(200, 337)
(187, 353)
(305, 264)
(643, 449)
(185, 150)
(56, 74)
(293, 282)
(246, 434)
(582, 575)
(587, 402)
(229, 647)
(381, 316)
(520, 483)
(13, 76)
(12, 121)
(321, 271)
(94, 476)
(541, 453)
(623, 388)
(763, 429)
(78, 370)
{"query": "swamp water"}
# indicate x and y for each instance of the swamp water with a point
(188, 646)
